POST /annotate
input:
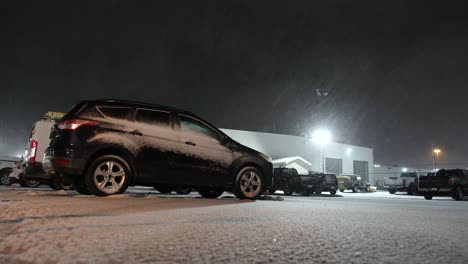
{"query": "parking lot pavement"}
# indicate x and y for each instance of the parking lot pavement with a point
(44, 226)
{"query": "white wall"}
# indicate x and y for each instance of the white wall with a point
(280, 146)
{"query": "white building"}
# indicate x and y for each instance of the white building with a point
(338, 158)
(301, 165)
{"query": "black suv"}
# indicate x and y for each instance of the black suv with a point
(107, 145)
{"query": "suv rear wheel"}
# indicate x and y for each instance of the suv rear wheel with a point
(60, 183)
(210, 192)
(183, 189)
(108, 175)
(248, 184)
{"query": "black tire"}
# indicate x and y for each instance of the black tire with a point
(354, 189)
(164, 189)
(183, 189)
(288, 190)
(93, 177)
(428, 196)
(67, 183)
(272, 191)
(342, 190)
(22, 183)
(318, 191)
(210, 192)
(56, 183)
(5, 177)
(305, 193)
(333, 192)
(458, 193)
(249, 183)
(391, 191)
(80, 186)
(32, 183)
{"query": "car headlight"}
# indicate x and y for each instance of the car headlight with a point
(266, 157)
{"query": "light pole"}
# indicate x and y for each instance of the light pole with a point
(321, 138)
(435, 157)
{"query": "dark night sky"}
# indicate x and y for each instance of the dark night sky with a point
(396, 71)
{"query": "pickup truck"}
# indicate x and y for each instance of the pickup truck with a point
(407, 182)
(290, 181)
(452, 183)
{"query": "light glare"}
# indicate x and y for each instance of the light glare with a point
(321, 137)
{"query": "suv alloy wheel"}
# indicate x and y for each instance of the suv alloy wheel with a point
(248, 184)
(108, 175)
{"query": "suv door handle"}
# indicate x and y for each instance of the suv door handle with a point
(191, 143)
(136, 133)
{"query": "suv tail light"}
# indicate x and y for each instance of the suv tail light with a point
(72, 124)
(298, 179)
(32, 151)
(450, 182)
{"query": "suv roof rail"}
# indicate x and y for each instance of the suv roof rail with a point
(135, 103)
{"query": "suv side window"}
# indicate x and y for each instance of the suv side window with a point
(189, 124)
(153, 117)
(115, 112)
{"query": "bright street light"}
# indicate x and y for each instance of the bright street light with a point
(321, 137)
(435, 157)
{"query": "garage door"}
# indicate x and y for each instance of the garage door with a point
(361, 168)
(334, 166)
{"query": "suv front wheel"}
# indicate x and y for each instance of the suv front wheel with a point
(108, 175)
(249, 183)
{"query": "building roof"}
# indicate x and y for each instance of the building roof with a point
(287, 160)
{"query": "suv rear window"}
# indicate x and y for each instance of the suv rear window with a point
(74, 111)
(115, 112)
(153, 117)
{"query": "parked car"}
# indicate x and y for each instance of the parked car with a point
(33, 174)
(15, 174)
(6, 167)
(290, 181)
(452, 183)
(352, 182)
(104, 146)
(326, 183)
(284, 179)
(407, 182)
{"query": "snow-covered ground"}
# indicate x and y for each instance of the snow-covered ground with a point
(45, 226)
